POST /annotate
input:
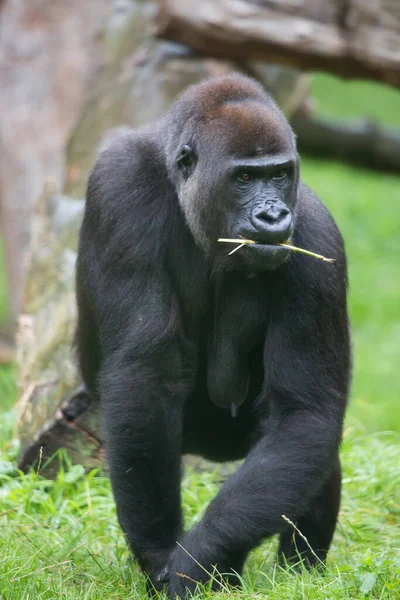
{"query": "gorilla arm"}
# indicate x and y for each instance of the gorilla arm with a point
(142, 387)
(144, 371)
(297, 444)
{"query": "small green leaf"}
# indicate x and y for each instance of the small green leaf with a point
(8, 468)
(39, 497)
(74, 474)
(367, 583)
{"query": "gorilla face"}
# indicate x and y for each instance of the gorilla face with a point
(261, 198)
(238, 179)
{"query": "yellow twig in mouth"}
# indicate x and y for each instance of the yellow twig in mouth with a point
(242, 241)
(237, 248)
(287, 244)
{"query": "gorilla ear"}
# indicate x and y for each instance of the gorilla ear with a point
(186, 160)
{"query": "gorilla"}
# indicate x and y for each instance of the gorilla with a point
(191, 349)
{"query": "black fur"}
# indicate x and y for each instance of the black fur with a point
(175, 337)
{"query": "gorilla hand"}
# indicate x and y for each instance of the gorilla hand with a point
(195, 561)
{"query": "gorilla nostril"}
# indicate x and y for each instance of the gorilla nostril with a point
(272, 213)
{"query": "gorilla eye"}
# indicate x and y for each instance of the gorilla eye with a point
(244, 176)
(281, 174)
(186, 160)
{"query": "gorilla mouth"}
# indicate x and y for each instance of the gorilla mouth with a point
(255, 245)
(269, 249)
(255, 256)
(269, 256)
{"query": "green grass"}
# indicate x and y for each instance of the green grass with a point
(351, 99)
(60, 539)
(366, 207)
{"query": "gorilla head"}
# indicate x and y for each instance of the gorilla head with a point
(232, 158)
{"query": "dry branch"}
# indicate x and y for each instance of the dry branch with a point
(361, 142)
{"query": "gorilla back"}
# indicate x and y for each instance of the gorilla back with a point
(190, 349)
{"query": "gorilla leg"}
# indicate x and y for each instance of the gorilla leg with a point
(317, 525)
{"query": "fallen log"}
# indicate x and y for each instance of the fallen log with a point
(351, 38)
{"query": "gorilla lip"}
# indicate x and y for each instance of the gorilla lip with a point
(287, 245)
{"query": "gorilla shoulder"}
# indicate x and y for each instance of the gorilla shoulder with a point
(125, 209)
(315, 226)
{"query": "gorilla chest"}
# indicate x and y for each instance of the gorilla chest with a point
(234, 345)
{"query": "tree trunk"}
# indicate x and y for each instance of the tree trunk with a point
(46, 59)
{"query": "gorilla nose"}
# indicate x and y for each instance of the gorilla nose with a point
(273, 222)
(272, 212)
